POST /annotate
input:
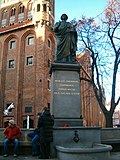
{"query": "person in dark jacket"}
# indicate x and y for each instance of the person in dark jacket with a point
(35, 136)
(11, 133)
(45, 122)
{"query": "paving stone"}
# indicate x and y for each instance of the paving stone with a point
(114, 156)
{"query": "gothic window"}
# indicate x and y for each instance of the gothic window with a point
(5, 1)
(30, 6)
(12, 16)
(21, 9)
(50, 9)
(38, 7)
(48, 105)
(49, 85)
(4, 16)
(13, 11)
(12, 44)
(11, 64)
(30, 40)
(49, 63)
(29, 12)
(21, 13)
(48, 43)
(29, 60)
(44, 8)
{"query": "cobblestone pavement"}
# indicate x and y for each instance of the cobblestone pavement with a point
(114, 156)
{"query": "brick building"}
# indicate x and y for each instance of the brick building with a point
(116, 114)
(27, 45)
(91, 112)
(116, 118)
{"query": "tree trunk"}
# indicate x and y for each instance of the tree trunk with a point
(109, 120)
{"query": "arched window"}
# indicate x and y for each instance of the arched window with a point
(44, 8)
(21, 9)
(12, 44)
(38, 7)
(4, 15)
(6, 1)
(12, 15)
(21, 13)
(13, 11)
(49, 43)
(29, 8)
(4, 18)
(30, 40)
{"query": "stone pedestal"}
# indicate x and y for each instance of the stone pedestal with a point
(65, 102)
(71, 139)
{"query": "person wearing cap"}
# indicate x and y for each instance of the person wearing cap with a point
(35, 136)
(12, 134)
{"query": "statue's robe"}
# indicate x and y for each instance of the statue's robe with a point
(66, 38)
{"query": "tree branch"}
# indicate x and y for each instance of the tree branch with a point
(117, 101)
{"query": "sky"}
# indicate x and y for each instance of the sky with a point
(77, 8)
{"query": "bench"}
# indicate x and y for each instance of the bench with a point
(111, 136)
(25, 144)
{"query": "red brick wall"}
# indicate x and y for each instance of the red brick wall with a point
(25, 85)
(91, 111)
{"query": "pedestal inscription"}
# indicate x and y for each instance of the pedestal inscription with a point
(66, 91)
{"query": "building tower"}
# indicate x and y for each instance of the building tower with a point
(27, 45)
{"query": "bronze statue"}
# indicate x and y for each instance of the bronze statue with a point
(66, 37)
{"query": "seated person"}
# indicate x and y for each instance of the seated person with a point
(11, 133)
(35, 135)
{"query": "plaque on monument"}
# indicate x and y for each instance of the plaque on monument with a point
(66, 90)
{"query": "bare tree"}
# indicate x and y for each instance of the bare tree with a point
(103, 42)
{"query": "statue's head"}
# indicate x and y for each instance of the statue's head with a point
(64, 17)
